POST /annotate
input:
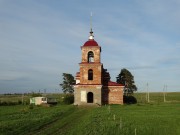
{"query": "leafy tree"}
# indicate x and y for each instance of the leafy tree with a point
(127, 79)
(67, 84)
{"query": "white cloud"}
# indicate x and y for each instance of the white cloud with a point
(40, 41)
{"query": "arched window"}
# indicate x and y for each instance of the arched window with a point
(90, 97)
(90, 56)
(90, 74)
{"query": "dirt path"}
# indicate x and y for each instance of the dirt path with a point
(63, 123)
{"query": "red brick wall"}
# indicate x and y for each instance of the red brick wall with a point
(97, 73)
(112, 95)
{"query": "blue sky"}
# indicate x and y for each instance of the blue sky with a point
(41, 39)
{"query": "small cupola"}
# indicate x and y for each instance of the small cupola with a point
(91, 41)
(91, 37)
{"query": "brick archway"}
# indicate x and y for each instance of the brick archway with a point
(90, 97)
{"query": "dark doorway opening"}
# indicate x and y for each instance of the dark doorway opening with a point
(90, 97)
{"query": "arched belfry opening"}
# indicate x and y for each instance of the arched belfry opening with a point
(90, 97)
(90, 74)
(90, 57)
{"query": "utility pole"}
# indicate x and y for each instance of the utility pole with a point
(22, 98)
(164, 93)
(147, 93)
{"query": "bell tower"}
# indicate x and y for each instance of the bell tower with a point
(88, 86)
(93, 84)
(90, 66)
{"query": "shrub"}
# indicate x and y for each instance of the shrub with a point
(129, 100)
(68, 99)
(31, 106)
(3, 103)
(19, 102)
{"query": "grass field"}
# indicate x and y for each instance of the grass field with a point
(158, 97)
(154, 118)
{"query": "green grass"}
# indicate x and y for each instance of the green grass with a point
(154, 118)
(158, 97)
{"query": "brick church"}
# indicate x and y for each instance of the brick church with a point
(93, 84)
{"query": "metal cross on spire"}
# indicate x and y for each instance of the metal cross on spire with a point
(91, 21)
(91, 32)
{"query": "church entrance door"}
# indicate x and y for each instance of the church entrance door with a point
(90, 97)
